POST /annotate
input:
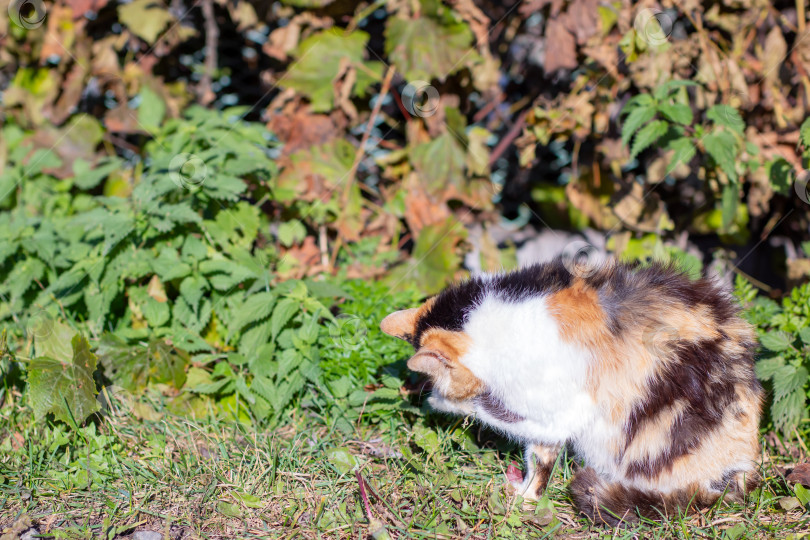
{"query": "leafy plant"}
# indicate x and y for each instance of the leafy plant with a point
(784, 363)
(665, 118)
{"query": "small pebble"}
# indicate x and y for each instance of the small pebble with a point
(147, 535)
(30, 534)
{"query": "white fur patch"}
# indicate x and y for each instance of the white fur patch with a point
(517, 349)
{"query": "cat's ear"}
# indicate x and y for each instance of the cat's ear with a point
(427, 363)
(401, 324)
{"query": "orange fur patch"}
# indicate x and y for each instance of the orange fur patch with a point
(459, 382)
(402, 324)
(582, 321)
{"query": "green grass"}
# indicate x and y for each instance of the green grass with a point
(206, 478)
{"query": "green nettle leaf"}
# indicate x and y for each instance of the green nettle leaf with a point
(722, 147)
(776, 341)
(287, 390)
(786, 379)
(288, 360)
(116, 227)
(637, 118)
(22, 276)
(647, 135)
(224, 187)
(224, 275)
(804, 334)
(684, 152)
(788, 412)
(424, 48)
(291, 232)
(263, 387)
(254, 338)
(804, 133)
(87, 177)
(729, 201)
(320, 57)
(640, 100)
(256, 307)
(728, 116)
(156, 313)
(151, 110)
(780, 173)
(283, 312)
(767, 367)
(192, 289)
(167, 265)
(682, 114)
(666, 89)
(64, 387)
(340, 388)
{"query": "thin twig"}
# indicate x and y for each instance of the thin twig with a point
(363, 495)
(361, 149)
(510, 136)
(211, 39)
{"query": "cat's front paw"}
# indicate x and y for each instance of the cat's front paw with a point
(522, 486)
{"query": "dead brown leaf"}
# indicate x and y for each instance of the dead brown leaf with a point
(72, 88)
(299, 129)
(80, 7)
(156, 290)
(342, 86)
(420, 208)
(561, 50)
(582, 19)
(800, 474)
(17, 440)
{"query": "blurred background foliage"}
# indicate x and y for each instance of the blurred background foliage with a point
(234, 187)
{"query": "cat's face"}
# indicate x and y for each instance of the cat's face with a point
(439, 355)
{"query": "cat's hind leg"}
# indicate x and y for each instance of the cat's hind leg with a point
(619, 504)
(539, 461)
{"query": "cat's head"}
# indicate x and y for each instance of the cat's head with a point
(440, 349)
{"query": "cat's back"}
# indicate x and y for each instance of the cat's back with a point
(674, 373)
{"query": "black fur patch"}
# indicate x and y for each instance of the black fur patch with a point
(728, 483)
(496, 409)
(453, 305)
(700, 377)
(617, 504)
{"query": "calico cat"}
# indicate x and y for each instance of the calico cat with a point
(646, 374)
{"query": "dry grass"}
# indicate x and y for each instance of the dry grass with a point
(221, 479)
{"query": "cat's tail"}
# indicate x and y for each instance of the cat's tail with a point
(617, 504)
